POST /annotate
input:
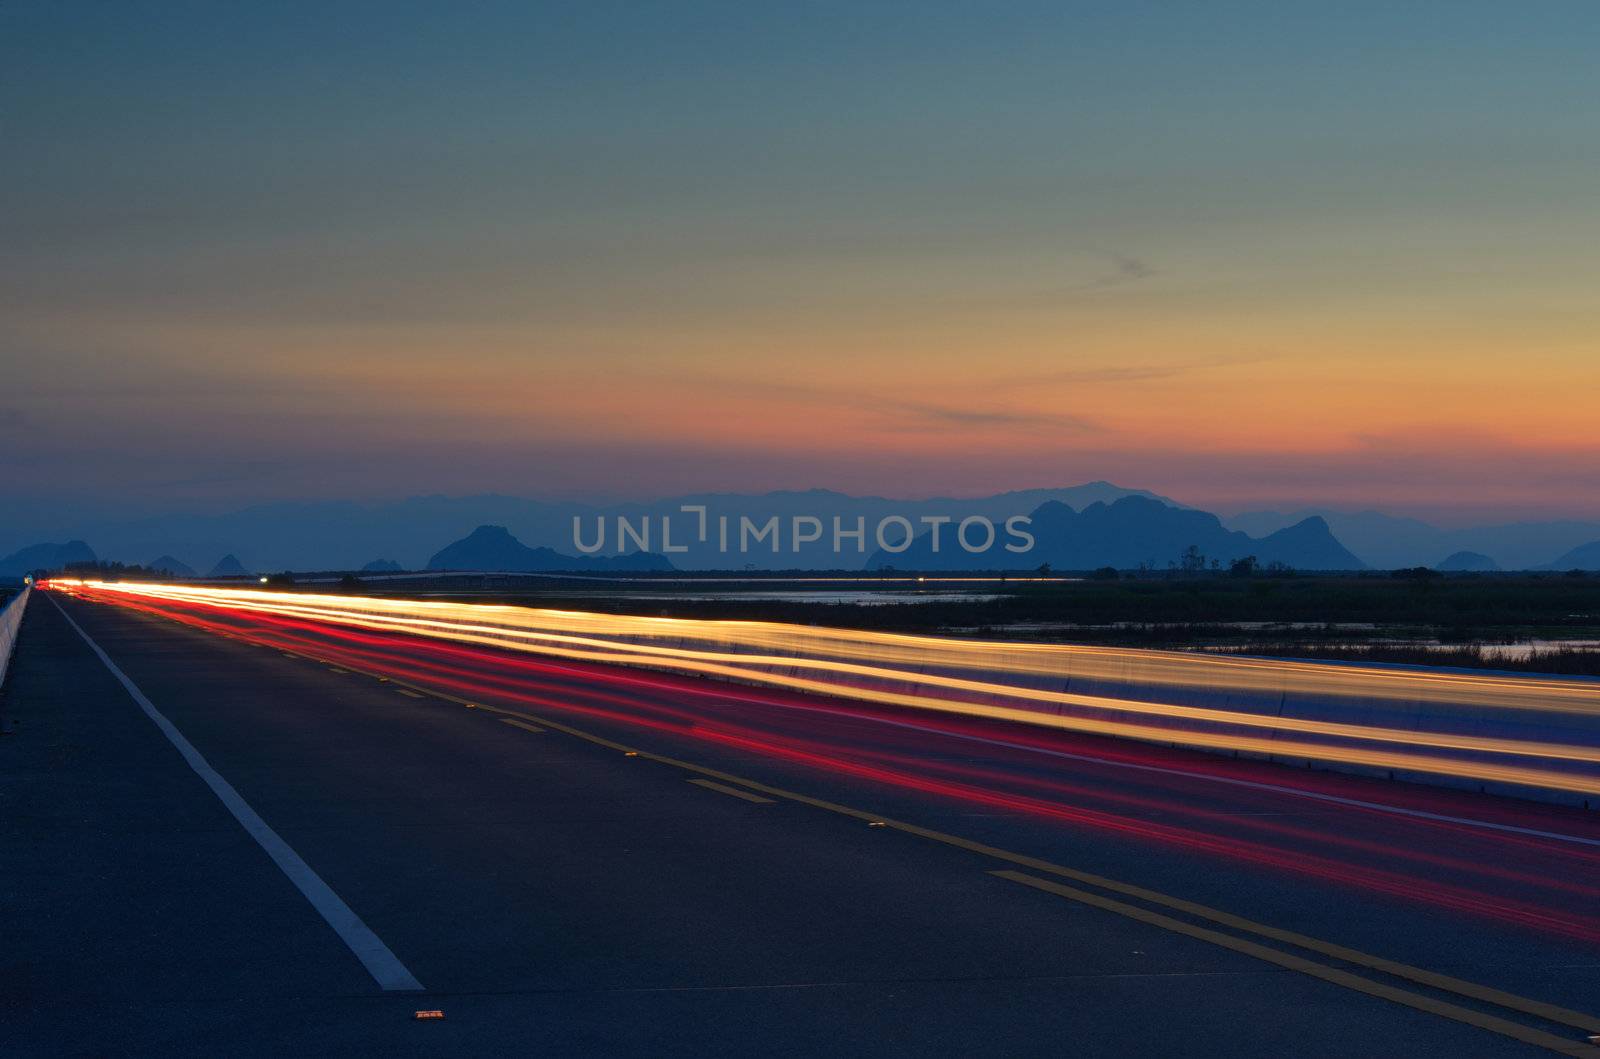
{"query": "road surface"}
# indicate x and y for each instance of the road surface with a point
(571, 859)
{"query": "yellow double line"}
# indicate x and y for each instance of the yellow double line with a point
(1589, 1024)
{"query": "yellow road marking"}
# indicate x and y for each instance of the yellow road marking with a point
(520, 724)
(713, 785)
(1552, 1012)
(1442, 1008)
(1510, 1001)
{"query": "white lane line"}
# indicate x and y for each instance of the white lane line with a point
(1274, 788)
(384, 966)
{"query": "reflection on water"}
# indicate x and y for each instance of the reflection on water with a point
(1520, 650)
(868, 598)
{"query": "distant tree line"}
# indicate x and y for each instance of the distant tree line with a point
(110, 570)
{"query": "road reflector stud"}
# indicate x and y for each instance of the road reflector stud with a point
(876, 823)
(630, 753)
(470, 705)
(423, 1016)
(383, 680)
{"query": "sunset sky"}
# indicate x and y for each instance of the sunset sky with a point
(1246, 255)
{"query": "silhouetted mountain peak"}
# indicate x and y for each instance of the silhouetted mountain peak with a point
(495, 548)
(1583, 557)
(166, 564)
(1467, 561)
(48, 556)
(496, 534)
(228, 566)
(1314, 526)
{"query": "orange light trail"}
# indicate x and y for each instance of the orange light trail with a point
(1413, 847)
(1027, 683)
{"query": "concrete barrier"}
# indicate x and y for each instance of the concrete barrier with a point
(10, 622)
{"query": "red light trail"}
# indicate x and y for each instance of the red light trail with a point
(1513, 878)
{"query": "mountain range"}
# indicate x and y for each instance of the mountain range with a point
(1389, 542)
(1127, 533)
(345, 535)
(494, 548)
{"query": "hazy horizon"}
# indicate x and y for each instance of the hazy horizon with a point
(344, 533)
(42, 511)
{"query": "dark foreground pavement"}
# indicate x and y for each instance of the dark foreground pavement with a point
(555, 896)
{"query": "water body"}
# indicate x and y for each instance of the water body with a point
(867, 598)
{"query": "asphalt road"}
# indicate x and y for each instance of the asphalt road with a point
(643, 864)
